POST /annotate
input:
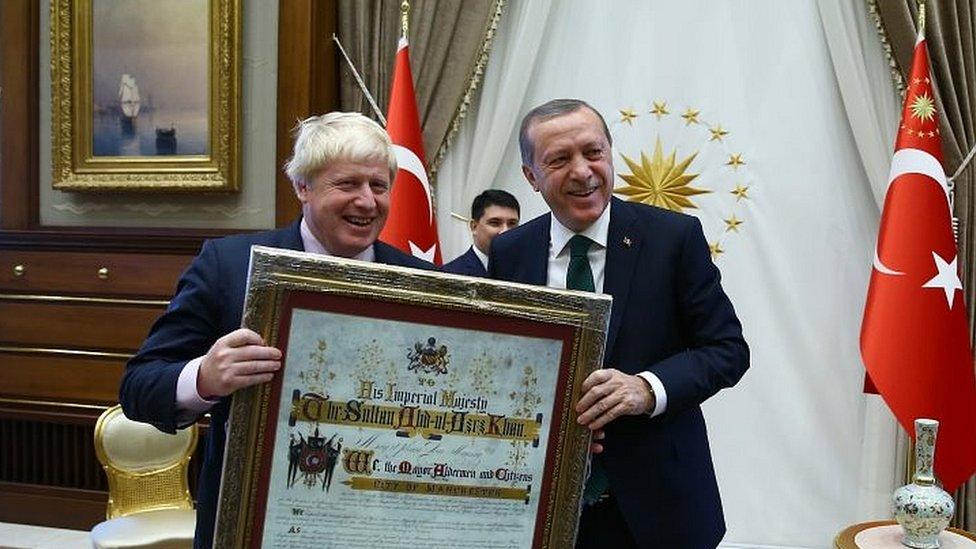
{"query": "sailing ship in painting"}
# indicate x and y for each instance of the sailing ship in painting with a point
(134, 122)
(129, 103)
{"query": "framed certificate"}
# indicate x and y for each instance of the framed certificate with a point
(412, 408)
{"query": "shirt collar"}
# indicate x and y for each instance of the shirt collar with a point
(598, 232)
(481, 256)
(312, 245)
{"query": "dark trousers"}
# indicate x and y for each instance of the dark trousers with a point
(602, 526)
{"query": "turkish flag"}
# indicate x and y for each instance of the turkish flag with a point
(410, 226)
(915, 334)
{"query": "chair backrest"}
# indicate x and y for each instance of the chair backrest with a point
(146, 468)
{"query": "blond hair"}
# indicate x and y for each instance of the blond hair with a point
(322, 140)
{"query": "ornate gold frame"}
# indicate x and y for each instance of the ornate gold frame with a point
(74, 166)
(275, 273)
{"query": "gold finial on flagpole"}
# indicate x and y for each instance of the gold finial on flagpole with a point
(921, 17)
(404, 17)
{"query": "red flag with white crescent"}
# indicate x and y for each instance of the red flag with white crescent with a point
(411, 226)
(915, 333)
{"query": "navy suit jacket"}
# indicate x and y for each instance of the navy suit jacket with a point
(208, 304)
(466, 264)
(669, 316)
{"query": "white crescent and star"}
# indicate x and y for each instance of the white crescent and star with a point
(947, 278)
(918, 161)
(426, 255)
(409, 161)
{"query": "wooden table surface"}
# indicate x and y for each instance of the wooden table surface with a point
(845, 539)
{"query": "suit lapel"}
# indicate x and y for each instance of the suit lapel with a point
(292, 239)
(535, 264)
(623, 249)
(475, 264)
(384, 253)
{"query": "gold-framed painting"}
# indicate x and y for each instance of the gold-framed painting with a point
(145, 95)
(412, 408)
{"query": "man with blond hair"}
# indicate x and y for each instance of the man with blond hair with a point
(196, 354)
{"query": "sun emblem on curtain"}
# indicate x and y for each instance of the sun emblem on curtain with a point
(698, 172)
(660, 181)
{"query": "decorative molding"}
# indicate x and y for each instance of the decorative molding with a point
(69, 352)
(140, 240)
(255, 62)
(154, 210)
(70, 300)
(157, 210)
(230, 212)
(79, 209)
(60, 404)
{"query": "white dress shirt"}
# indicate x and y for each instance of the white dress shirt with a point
(559, 253)
(189, 403)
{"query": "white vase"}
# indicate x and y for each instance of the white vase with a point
(923, 508)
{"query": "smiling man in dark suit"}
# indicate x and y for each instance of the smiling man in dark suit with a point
(196, 354)
(674, 339)
(492, 213)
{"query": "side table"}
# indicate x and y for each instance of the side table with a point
(886, 534)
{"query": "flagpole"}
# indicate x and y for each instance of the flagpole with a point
(404, 18)
(950, 182)
(921, 17)
(359, 81)
(909, 472)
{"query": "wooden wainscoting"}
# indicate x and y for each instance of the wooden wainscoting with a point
(69, 321)
(49, 475)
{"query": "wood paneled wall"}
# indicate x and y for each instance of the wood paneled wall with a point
(76, 303)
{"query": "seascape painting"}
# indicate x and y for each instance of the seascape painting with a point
(150, 78)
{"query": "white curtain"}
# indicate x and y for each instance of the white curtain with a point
(787, 441)
(864, 80)
(474, 159)
(872, 106)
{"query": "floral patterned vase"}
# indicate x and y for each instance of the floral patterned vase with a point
(922, 508)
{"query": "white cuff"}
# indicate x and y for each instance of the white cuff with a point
(660, 395)
(189, 403)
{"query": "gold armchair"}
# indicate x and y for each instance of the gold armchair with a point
(149, 503)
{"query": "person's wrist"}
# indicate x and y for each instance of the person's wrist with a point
(203, 388)
(651, 398)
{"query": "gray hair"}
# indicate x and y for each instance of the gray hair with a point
(322, 140)
(549, 110)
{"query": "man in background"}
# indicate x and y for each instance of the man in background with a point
(492, 213)
(673, 341)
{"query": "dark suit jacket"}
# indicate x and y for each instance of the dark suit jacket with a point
(671, 317)
(466, 264)
(208, 304)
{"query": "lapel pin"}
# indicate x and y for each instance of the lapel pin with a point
(627, 241)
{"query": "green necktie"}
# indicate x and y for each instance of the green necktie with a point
(579, 276)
